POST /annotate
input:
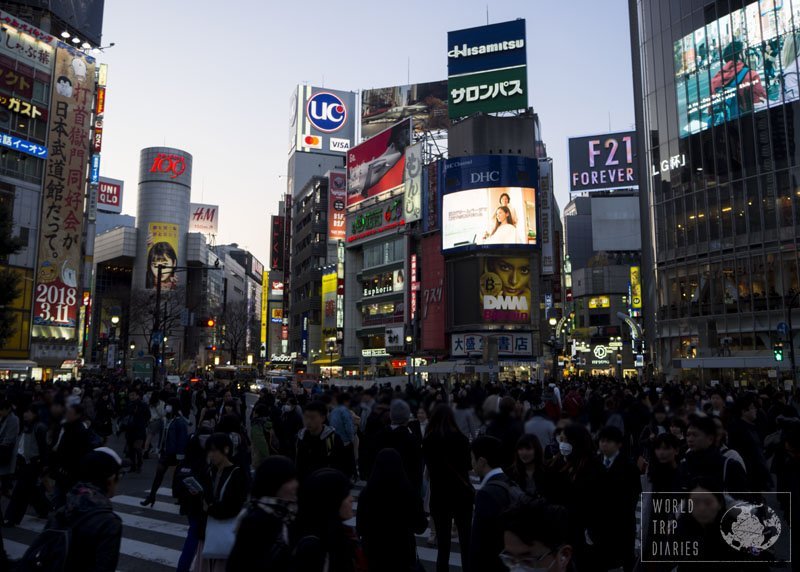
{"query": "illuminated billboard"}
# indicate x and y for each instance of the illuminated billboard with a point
(376, 166)
(337, 198)
(489, 201)
(741, 63)
(322, 120)
(426, 103)
(603, 162)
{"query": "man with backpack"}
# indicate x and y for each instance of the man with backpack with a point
(497, 493)
(85, 534)
(318, 445)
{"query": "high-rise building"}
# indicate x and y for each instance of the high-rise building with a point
(717, 110)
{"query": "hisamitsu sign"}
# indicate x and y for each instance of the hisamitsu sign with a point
(603, 162)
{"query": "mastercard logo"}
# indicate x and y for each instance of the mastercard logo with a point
(312, 141)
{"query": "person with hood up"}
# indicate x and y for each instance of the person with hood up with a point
(96, 532)
(263, 536)
(325, 542)
(389, 543)
(318, 445)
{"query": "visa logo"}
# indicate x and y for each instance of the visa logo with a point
(340, 144)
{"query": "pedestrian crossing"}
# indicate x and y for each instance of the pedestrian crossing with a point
(153, 537)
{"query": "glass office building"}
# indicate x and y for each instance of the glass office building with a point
(717, 95)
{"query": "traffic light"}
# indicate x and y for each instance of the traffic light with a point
(777, 351)
(207, 322)
(211, 348)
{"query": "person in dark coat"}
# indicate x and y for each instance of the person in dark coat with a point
(613, 527)
(398, 436)
(103, 416)
(536, 537)
(703, 459)
(528, 467)
(318, 445)
(96, 531)
(72, 443)
(506, 427)
(288, 425)
(389, 514)
(137, 415)
(447, 456)
(173, 446)
(263, 537)
(32, 458)
(497, 493)
(743, 437)
(325, 543)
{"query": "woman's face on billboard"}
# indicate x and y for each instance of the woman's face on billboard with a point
(515, 274)
(501, 216)
(162, 260)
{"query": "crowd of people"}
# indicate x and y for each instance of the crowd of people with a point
(524, 476)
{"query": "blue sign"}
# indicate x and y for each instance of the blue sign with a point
(485, 171)
(95, 172)
(485, 48)
(783, 328)
(326, 111)
(27, 147)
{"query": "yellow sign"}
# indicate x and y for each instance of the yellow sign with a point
(636, 288)
(162, 250)
(264, 304)
(329, 284)
(599, 302)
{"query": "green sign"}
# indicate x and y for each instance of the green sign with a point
(487, 92)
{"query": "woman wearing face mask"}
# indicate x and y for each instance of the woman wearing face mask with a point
(262, 539)
(569, 482)
(173, 446)
(326, 543)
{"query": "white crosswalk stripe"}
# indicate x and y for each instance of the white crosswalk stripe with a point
(153, 537)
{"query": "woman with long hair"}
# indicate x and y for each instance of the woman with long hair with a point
(389, 514)
(569, 482)
(155, 427)
(447, 456)
(528, 468)
(326, 543)
(504, 232)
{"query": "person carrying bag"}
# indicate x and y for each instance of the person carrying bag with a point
(225, 494)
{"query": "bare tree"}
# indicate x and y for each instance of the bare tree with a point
(233, 328)
(143, 308)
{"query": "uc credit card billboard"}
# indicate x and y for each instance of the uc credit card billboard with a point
(489, 201)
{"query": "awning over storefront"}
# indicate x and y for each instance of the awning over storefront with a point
(327, 361)
(732, 362)
(16, 365)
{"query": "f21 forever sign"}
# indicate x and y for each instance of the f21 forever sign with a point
(603, 162)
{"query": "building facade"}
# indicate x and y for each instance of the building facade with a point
(721, 200)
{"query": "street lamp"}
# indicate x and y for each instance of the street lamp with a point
(411, 372)
(553, 321)
(331, 347)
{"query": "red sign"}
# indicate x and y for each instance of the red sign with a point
(284, 332)
(414, 286)
(109, 196)
(432, 295)
(100, 106)
(276, 258)
(377, 165)
(337, 200)
(165, 163)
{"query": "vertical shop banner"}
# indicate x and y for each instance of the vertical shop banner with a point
(329, 285)
(55, 313)
(636, 288)
(337, 201)
(264, 309)
(412, 184)
(432, 292)
(276, 257)
(162, 250)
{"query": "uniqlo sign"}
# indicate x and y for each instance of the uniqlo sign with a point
(109, 195)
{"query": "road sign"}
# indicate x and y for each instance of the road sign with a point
(782, 328)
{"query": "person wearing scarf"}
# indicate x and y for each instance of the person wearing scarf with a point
(262, 537)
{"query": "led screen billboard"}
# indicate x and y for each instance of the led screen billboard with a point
(740, 63)
(426, 103)
(489, 201)
(603, 162)
(322, 121)
(377, 165)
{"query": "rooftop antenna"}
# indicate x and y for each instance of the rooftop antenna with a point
(409, 70)
(487, 14)
(609, 121)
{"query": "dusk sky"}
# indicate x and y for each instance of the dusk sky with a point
(214, 79)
